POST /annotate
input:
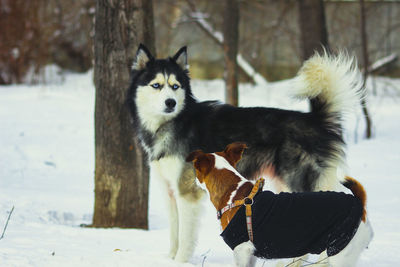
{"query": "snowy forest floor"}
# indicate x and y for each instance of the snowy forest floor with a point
(47, 174)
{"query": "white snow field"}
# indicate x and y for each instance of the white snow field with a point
(47, 174)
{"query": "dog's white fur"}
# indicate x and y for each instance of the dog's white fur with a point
(183, 212)
(243, 254)
(331, 77)
(151, 103)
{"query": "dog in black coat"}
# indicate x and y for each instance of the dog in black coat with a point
(284, 225)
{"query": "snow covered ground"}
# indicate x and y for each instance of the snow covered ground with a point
(47, 170)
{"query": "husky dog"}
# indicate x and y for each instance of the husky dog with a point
(300, 151)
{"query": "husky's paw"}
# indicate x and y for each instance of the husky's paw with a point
(172, 253)
(182, 256)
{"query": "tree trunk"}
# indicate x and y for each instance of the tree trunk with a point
(364, 42)
(121, 172)
(314, 34)
(231, 44)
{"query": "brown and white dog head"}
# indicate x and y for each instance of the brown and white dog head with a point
(222, 181)
(207, 164)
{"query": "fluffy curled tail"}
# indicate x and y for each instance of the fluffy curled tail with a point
(331, 83)
(358, 191)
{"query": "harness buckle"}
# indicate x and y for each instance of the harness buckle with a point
(248, 201)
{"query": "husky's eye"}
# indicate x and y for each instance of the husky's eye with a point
(155, 85)
(175, 86)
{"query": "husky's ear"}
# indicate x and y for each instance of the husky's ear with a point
(203, 163)
(233, 152)
(143, 56)
(181, 58)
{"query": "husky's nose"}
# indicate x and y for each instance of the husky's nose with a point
(170, 103)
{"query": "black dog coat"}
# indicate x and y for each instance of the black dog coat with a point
(288, 225)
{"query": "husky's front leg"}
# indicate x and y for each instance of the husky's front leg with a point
(169, 193)
(173, 221)
(189, 203)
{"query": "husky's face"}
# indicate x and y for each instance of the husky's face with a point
(161, 87)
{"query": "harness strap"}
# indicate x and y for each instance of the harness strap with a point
(248, 202)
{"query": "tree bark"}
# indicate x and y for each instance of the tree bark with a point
(121, 172)
(231, 45)
(314, 34)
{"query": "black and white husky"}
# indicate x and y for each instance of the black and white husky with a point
(298, 151)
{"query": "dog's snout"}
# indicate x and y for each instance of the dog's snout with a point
(170, 103)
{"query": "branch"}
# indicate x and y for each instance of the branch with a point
(199, 18)
(8, 219)
(204, 255)
(380, 63)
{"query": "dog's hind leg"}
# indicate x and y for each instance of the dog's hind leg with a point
(328, 181)
(322, 260)
(349, 256)
(244, 254)
(189, 203)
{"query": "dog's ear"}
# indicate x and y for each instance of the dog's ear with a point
(202, 162)
(143, 56)
(181, 58)
(194, 155)
(233, 152)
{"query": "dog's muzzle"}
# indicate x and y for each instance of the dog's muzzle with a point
(170, 105)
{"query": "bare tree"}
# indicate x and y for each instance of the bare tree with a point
(231, 45)
(121, 174)
(198, 18)
(364, 42)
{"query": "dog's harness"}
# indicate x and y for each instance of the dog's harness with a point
(248, 202)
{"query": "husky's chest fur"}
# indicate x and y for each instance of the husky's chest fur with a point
(161, 143)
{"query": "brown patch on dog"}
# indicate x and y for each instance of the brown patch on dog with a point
(241, 193)
(187, 186)
(203, 163)
(358, 191)
(220, 184)
(233, 152)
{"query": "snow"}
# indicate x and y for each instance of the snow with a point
(47, 174)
